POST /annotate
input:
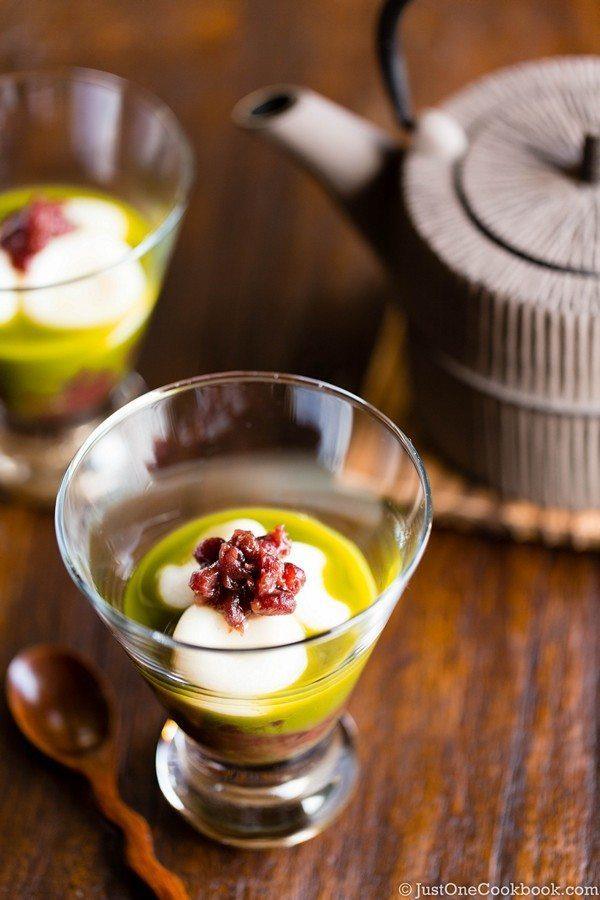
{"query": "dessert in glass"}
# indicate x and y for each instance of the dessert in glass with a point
(93, 185)
(245, 536)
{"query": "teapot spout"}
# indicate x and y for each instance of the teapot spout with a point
(356, 162)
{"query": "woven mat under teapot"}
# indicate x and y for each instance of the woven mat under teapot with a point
(458, 502)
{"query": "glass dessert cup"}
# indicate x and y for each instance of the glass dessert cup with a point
(88, 132)
(275, 769)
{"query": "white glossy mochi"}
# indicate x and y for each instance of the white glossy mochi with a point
(244, 674)
(316, 609)
(225, 529)
(91, 302)
(174, 585)
(99, 216)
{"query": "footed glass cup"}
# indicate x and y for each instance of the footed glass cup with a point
(245, 770)
(88, 130)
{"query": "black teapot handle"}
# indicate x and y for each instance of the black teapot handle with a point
(392, 62)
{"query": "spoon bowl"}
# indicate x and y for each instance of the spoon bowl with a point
(59, 702)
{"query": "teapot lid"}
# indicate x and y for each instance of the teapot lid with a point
(523, 194)
(531, 175)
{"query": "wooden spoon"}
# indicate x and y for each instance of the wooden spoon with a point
(62, 705)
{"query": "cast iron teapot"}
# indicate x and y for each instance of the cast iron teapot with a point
(488, 218)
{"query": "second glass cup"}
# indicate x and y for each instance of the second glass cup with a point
(253, 768)
(94, 182)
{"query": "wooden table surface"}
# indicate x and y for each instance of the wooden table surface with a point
(478, 712)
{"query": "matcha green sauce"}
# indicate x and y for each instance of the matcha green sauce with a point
(347, 576)
(43, 368)
(333, 665)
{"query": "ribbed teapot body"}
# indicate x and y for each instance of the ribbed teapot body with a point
(500, 278)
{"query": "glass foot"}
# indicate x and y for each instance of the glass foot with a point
(32, 462)
(263, 807)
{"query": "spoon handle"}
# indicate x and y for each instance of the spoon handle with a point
(139, 848)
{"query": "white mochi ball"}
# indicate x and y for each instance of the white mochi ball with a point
(225, 529)
(91, 302)
(99, 216)
(174, 585)
(234, 674)
(316, 609)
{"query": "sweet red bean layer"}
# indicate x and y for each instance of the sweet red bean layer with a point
(27, 231)
(247, 575)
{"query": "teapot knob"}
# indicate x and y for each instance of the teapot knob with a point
(439, 134)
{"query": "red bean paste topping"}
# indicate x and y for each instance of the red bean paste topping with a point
(27, 231)
(247, 575)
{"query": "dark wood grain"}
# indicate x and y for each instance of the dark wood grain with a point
(478, 712)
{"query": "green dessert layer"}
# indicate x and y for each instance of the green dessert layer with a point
(347, 575)
(47, 372)
(332, 666)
